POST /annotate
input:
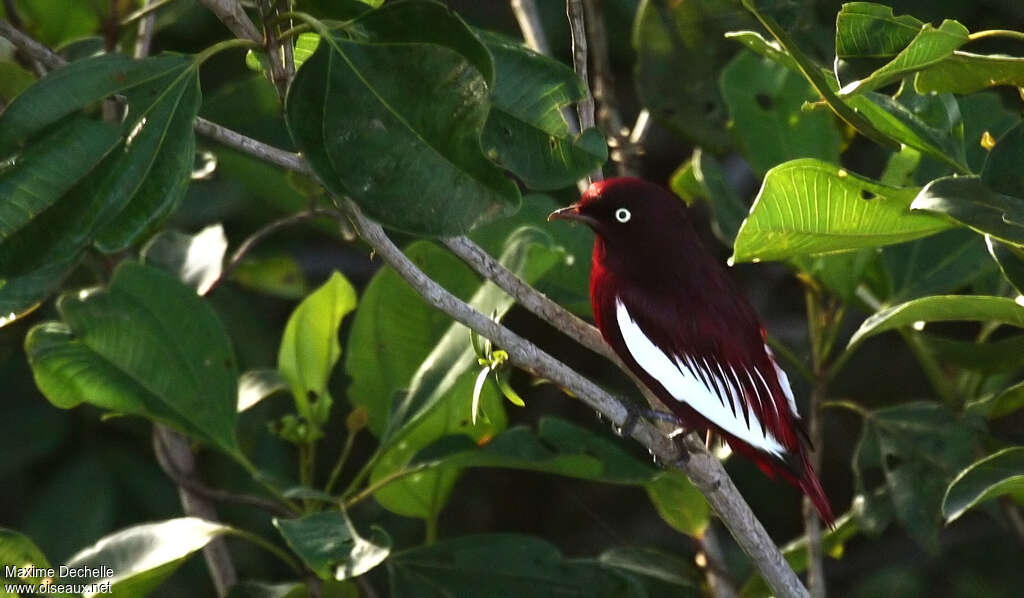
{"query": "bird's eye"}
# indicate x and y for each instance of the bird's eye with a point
(622, 215)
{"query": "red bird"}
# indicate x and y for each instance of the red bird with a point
(677, 320)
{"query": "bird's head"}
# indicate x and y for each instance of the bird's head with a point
(629, 213)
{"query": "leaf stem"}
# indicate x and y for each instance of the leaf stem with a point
(350, 441)
(932, 370)
(1007, 33)
(145, 10)
(384, 481)
(848, 405)
(269, 546)
(784, 351)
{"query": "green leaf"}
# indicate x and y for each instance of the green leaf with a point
(256, 385)
(965, 73)
(33, 181)
(558, 447)
(19, 552)
(438, 399)
(942, 308)
(75, 86)
(918, 447)
(1001, 171)
(996, 475)
(679, 503)
(992, 356)
(764, 48)
(983, 113)
(765, 102)
(931, 45)
(526, 130)
(999, 404)
(146, 182)
(147, 345)
(195, 260)
(54, 22)
(411, 160)
(500, 565)
(702, 176)
(969, 201)
(295, 589)
(680, 50)
(939, 264)
(660, 573)
(869, 30)
(136, 560)
(310, 347)
(328, 543)
(13, 80)
(808, 206)
(1010, 260)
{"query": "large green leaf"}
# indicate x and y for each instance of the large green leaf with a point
(660, 573)
(147, 345)
(970, 201)
(329, 545)
(765, 102)
(526, 129)
(395, 122)
(965, 73)
(501, 566)
(680, 50)
(1001, 403)
(1001, 172)
(310, 347)
(918, 448)
(942, 263)
(989, 357)
(1010, 260)
(36, 178)
(439, 394)
(928, 47)
(807, 206)
(75, 86)
(136, 560)
(942, 308)
(996, 475)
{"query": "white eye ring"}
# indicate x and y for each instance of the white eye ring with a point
(622, 215)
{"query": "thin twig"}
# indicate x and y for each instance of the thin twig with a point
(147, 25)
(530, 24)
(31, 47)
(603, 81)
(585, 107)
(175, 457)
(230, 13)
(149, 8)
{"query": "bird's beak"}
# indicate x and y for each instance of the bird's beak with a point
(571, 213)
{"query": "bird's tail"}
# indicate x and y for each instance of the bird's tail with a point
(809, 483)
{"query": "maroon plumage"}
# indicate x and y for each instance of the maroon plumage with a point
(677, 320)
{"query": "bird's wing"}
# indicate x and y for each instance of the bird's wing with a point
(741, 392)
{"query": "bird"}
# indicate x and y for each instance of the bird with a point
(675, 317)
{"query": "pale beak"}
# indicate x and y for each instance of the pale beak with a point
(571, 213)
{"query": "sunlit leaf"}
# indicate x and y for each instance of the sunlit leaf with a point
(195, 259)
(996, 475)
(679, 503)
(328, 543)
(942, 308)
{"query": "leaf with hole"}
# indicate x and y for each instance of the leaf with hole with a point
(146, 345)
(808, 207)
(996, 475)
(526, 131)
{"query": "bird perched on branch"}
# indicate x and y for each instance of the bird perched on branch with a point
(677, 320)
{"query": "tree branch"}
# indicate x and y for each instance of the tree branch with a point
(531, 26)
(147, 24)
(704, 470)
(175, 457)
(585, 107)
(234, 17)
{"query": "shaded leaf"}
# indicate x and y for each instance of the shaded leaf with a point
(1001, 172)
(942, 263)
(969, 201)
(526, 129)
(702, 176)
(19, 552)
(295, 589)
(1010, 260)
(411, 160)
(918, 447)
(328, 543)
(140, 558)
(280, 276)
(992, 356)
(195, 259)
(996, 475)
(147, 345)
(500, 566)
(310, 347)
(942, 308)
(660, 573)
(807, 206)
(999, 404)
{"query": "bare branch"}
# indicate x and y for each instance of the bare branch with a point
(252, 147)
(530, 24)
(230, 13)
(175, 457)
(585, 107)
(603, 80)
(147, 24)
(31, 47)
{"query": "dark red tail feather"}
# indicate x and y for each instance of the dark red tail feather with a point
(811, 486)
